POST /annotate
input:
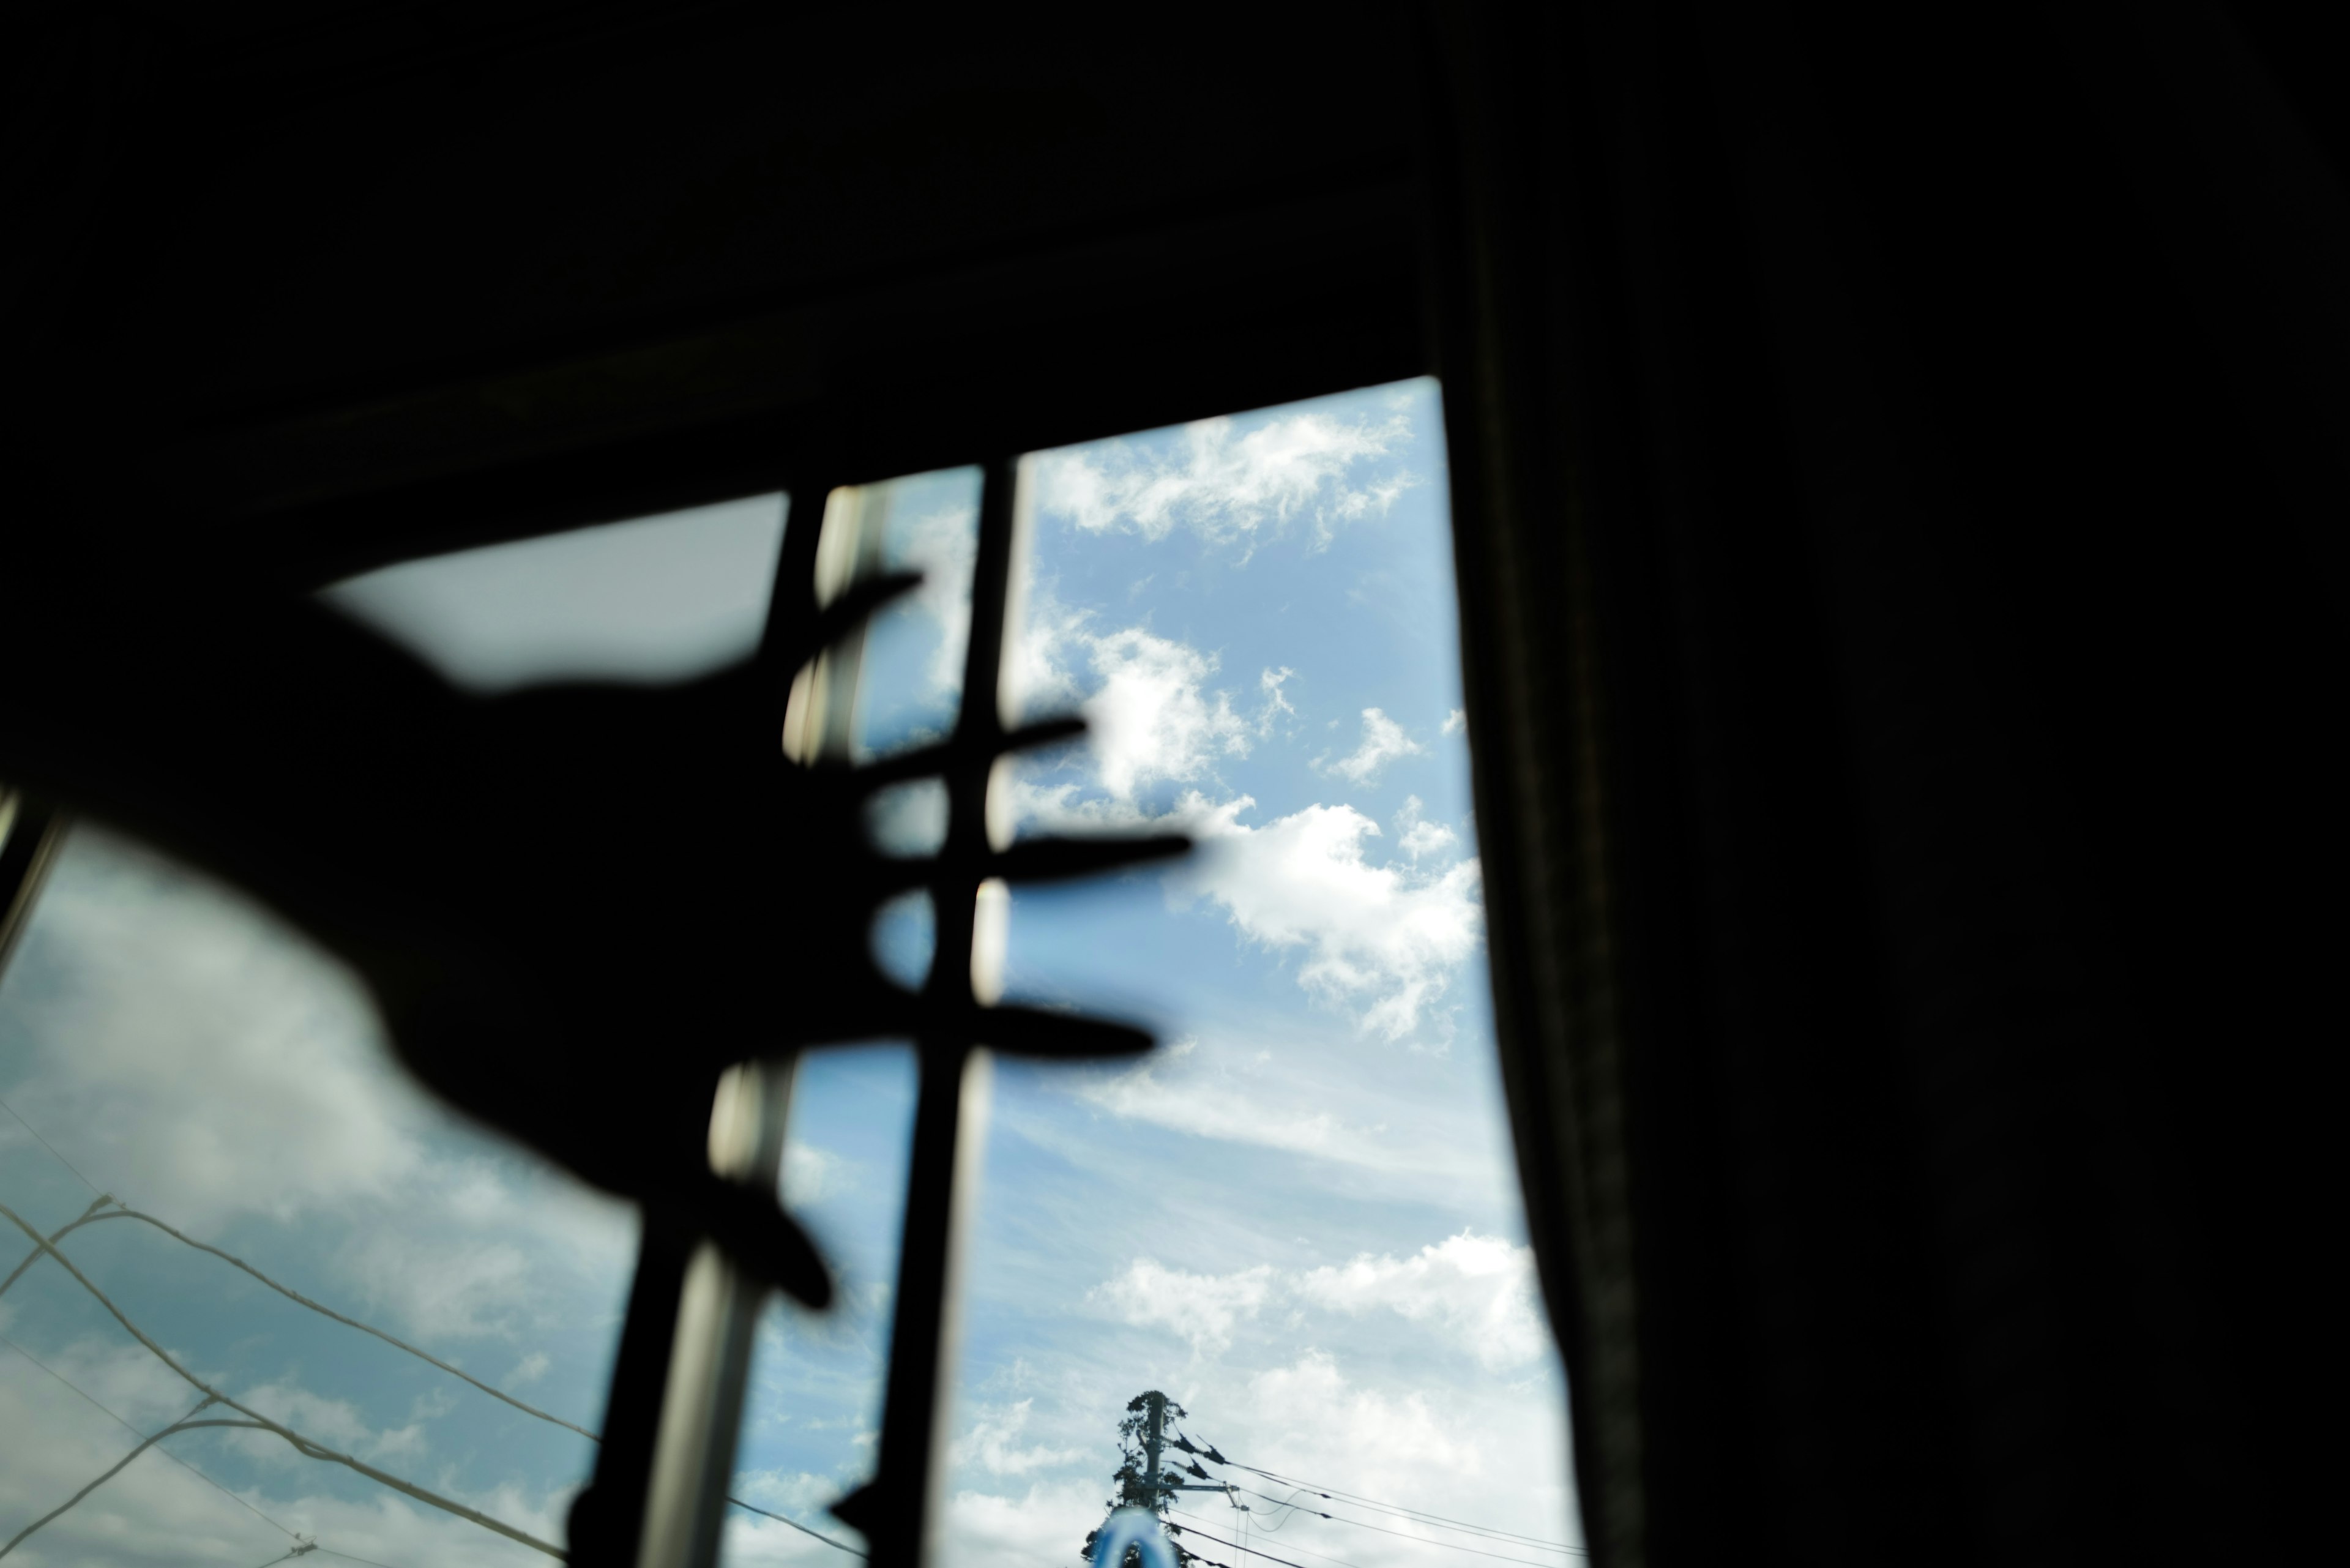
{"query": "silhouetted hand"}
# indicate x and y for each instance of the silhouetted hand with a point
(576, 906)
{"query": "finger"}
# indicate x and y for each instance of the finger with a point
(1032, 860)
(845, 613)
(936, 759)
(1059, 860)
(756, 1235)
(1065, 1036)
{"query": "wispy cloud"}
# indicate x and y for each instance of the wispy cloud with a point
(1384, 740)
(994, 1441)
(1479, 1291)
(1475, 1293)
(1227, 484)
(1202, 1308)
(1418, 836)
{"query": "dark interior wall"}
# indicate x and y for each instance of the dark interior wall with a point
(296, 258)
(1929, 405)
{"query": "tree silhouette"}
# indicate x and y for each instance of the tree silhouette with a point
(1136, 1487)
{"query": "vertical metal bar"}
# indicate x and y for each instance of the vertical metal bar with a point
(30, 833)
(899, 1511)
(609, 1519)
(710, 1355)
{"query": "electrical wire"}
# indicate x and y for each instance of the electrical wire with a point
(167, 1453)
(46, 1144)
(1286, 1548)
(303, 1445)
(1413, 1515)
(1439, 1545)
(296, 1296)
(796, 1524)
(1252, 1550)
(1295, 1508)
(91, 1215)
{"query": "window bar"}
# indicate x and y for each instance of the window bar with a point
(899, 1510)
(30, 833)
(693, 1355)
(610, 1524)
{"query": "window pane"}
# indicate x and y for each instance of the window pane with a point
(653, 600)
(168, 1046)
(1299, 1218)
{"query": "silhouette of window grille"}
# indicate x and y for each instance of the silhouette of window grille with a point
(658, 1499)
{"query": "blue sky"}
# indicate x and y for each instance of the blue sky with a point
(1297, 1218)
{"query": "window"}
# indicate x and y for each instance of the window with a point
(1295, 1221)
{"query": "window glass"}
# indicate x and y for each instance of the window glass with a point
(216, 1094)
(653, 600)
(411, 1322)
(1297, 1219)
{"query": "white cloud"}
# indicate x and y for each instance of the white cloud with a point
(1215, 1107)
(1152, 718)
(1474, 1293)
(1275, 703)
(1379, 942)
(993, 1442)
(1202, 1308)
(941, 546)
(1043, 1527)
(1226, 486)
(1455, 722)
(1384, 740)
(1418, 836)
(810, 1173)
(1479, 1290)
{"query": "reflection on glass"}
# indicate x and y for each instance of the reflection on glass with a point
(213, 1095)
(1298, 1222)
(651, 601)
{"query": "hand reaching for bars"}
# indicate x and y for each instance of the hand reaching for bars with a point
(576, 906)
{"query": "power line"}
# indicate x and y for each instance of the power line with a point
(112, 1470)
(796, 1524)
(134, 1432)
(299, 1299)
(1252, 1550)
(1439, 1545)
(349, 1558)
(1413, 1514)
(187, 1423)
(1481, 1532)
(301, 1444)
(46, 1144)
(1324, 1556)
(89, 1216)
(100, 1201)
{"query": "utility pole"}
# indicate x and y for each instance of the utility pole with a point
(1142, 1484)
(1152, 1436)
